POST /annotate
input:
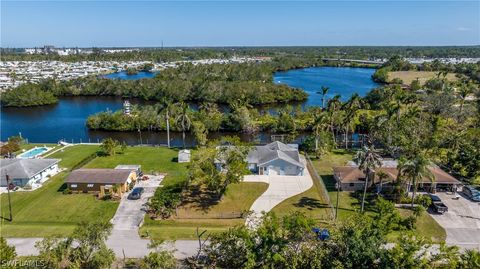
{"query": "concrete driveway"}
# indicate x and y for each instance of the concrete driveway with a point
(461, 222)
(128, 218)
(279, 189)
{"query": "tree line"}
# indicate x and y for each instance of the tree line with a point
(218, 83)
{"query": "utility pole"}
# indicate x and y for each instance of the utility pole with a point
(338, 194)
(9, 200)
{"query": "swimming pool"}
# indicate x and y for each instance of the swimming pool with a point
(33, 153)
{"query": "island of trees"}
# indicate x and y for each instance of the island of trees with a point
(217, 83)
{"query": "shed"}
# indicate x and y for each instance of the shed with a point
(184, 156)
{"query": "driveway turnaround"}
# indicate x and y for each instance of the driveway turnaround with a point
(279, 189)
(461, 222)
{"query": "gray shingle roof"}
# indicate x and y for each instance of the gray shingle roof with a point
(275, 150)
(24, 168)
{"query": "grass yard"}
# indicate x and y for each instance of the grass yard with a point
(200, 211)
(152, 159)
(311, 202)
(324, 166)
(47, 211)
(238, 198)
(185, 228)
(426, 226)
(408, 76)
(72, 155)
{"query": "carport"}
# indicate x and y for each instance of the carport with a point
(444, 182)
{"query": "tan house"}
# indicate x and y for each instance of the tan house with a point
(351, 178)
(101, 180)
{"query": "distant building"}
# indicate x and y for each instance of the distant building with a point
(127, 107)
(27, 171)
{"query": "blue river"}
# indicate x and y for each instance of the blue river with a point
(123, 75)
(344, 81)
(66, 120)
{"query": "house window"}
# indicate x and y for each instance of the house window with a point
(90, 185)
(352, 184)
(73, 185)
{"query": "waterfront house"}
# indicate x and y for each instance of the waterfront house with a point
(275, 158)
(23, 172)
(101, 181)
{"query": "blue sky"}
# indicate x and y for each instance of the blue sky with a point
(239, 23)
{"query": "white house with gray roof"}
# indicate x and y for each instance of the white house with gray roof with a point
(275, 158)
(27, 171)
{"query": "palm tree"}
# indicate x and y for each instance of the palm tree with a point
(324, 93)
(166, 106)
(351, 107)
(381, 176)
(416, 169)
(333, 105)
(367, 159)
(320, 124)
(183, 119)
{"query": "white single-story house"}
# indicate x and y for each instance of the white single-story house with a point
(27, 171)
(275, 158)
(184, 156)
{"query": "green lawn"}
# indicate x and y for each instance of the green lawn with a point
(71, 156)
(152, 159)
(238, 198)
(426, 226)
(324, 166)
(311, 202)
(185, 228)
(213, 216)
(46, 211)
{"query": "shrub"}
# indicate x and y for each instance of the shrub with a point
(410, 222)
(67, 191)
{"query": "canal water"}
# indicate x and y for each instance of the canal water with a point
(66, 120)
(123, 75)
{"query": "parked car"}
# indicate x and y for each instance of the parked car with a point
(136, 193)
(437, 205)
(472, 193)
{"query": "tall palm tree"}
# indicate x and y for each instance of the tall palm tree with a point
(324, 93)
(165, 107)
(416, 169)
(183, 119)
(320, 124)
(333, 105)
(351, 108)
(381, 176)
(367, 159)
